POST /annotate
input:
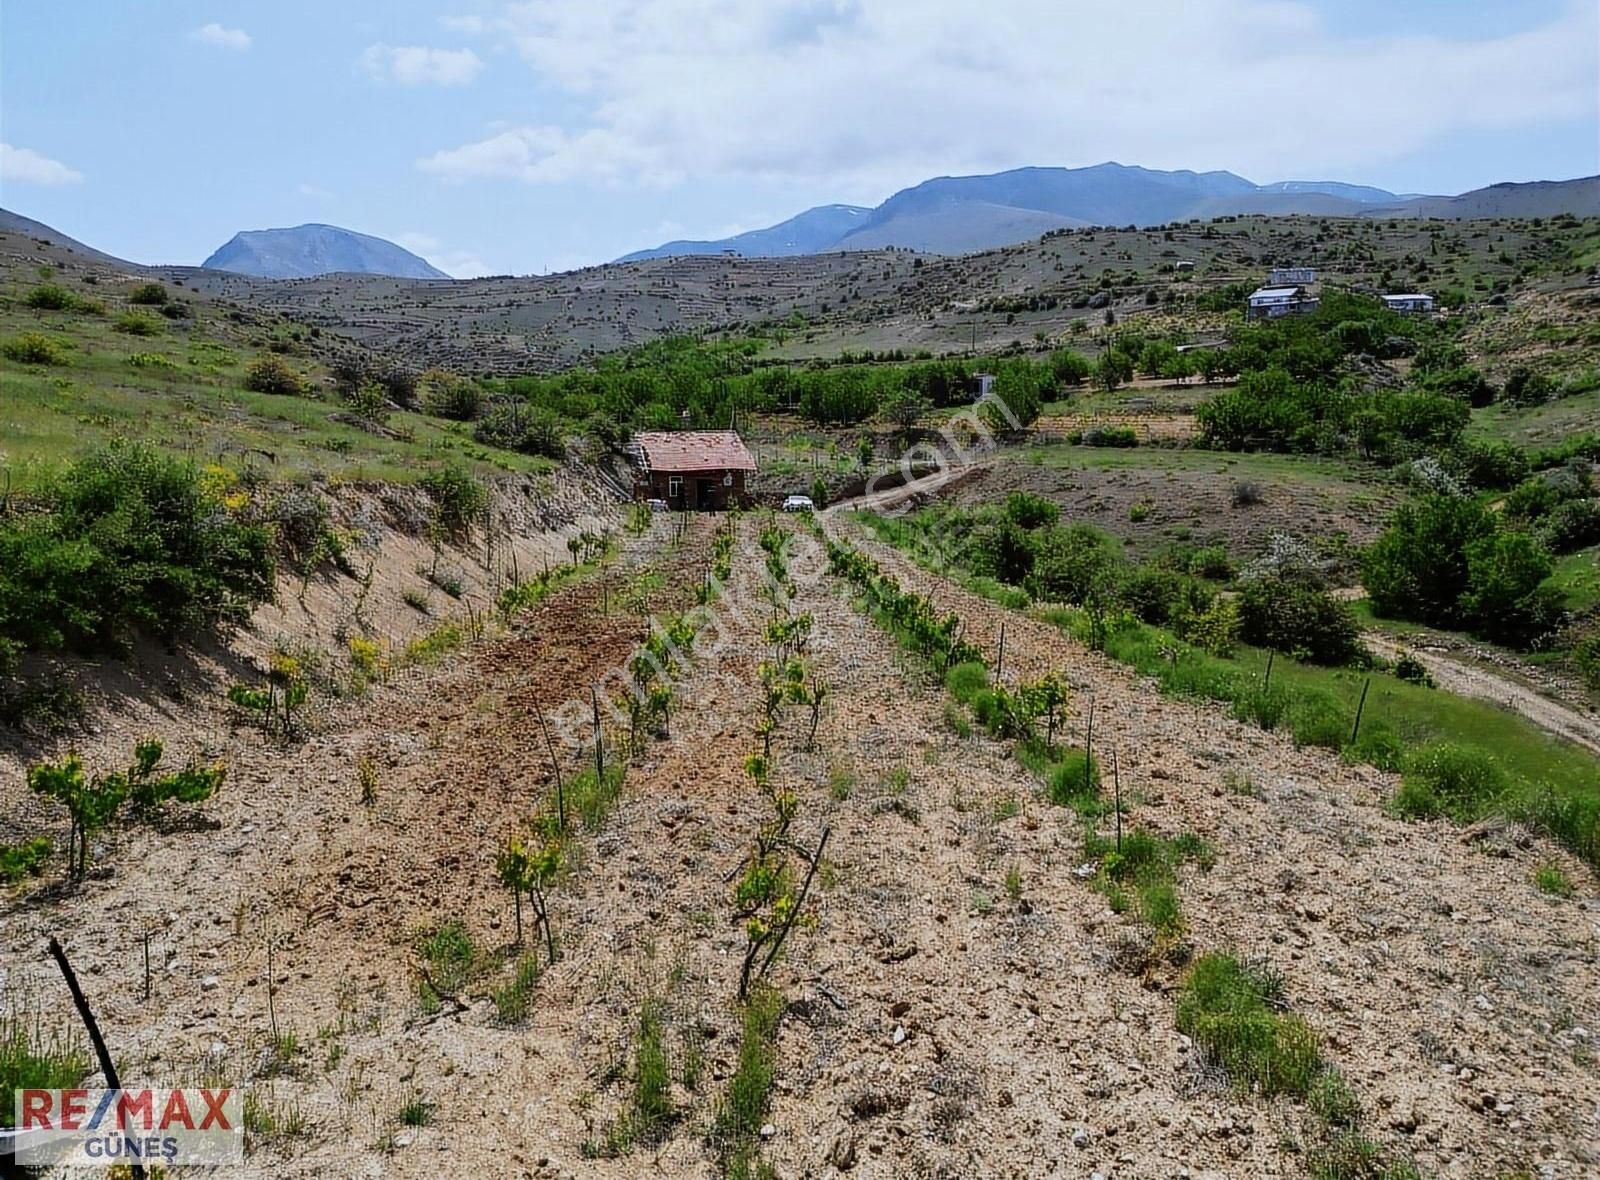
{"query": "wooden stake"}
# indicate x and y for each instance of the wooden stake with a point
(107, 1066)
(1116, 779)
(599, 740)
(1088, 750)
(1000, 659)
(555, 768)
(1266, 685)
(1361, 705)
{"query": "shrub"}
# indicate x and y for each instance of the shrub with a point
(1229, 1008)
(1074, 564)
(148, 294)
(1448, 779)
(270, 373)
(1411, 670)
(1159, 595)
(1418, 568)
(1297, 619)
(450, 960)
(1110, 436)
(23, 860)
(137, 323)
(1028, 511)
(130, 541)
(1504, 600)
(34, 348)
(448, 395)
(1246, 493)
(459, 499)
(1211, 562)
(516, 426)
(1571, 526)
(51, 297)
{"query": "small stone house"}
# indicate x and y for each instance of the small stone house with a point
(698, 470)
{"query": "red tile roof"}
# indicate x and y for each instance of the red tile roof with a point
(694, 450)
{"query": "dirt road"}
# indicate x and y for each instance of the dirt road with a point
(1469, 680)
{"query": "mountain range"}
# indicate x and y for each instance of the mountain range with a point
(961, 214)
(307, 251)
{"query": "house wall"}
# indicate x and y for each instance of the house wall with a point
(697, 490)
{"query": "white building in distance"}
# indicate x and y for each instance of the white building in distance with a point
(1412, 304)
(1269, 303)
(1283, 276)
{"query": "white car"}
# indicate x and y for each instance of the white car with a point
(799, 504)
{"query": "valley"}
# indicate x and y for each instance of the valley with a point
(1114, 776)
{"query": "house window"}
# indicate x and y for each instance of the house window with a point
(674, 486)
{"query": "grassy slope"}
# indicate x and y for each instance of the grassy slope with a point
(196, 404)
(1416, 714)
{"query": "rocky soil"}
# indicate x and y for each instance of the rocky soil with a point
(937, 1025)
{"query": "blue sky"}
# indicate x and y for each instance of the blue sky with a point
(494, 136)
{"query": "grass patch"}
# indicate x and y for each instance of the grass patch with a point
(739, 1115)
(1233, 1010)
(450, 960)
(511, 1002)
(591, 796)
(34, 1055)
(1552, 881)
(1449, 779)
(1074, 781)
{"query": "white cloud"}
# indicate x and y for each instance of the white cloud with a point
(472, 26)
(20, 165)
(314, 191)
(869, 95)
(412, 65)
(215, 34)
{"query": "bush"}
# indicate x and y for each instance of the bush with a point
(1159, 595)
(1299, 620)
(448, 395)
(1571, 526)
(34, 348)
(50, 297)
(1028, 511)
(516, 426)
(1110, 436)
(137, 323)
(270, 373)
(131, 541)
(1418, 568)
(1075, 564)
(1448, 779)
(1504, 600)
(458, 498)
(148, 294)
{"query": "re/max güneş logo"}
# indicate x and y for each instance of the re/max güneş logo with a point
(90, 1128)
